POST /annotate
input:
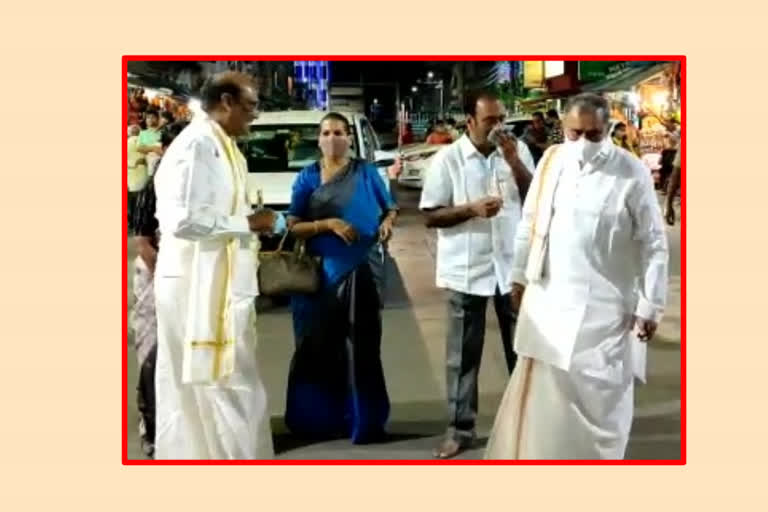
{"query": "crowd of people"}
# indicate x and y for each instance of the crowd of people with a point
(572, 251)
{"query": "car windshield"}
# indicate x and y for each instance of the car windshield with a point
(281, 148)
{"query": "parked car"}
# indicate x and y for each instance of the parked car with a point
(415, 160)
(518, 124)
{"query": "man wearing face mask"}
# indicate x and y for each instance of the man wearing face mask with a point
(210, 402)
(590, 278)
(473, 195)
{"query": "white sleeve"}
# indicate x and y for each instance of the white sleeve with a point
(526, 157)
(437, 189)
(186, 198)
(648, 230)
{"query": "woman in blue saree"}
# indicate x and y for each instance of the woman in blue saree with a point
(342, 209)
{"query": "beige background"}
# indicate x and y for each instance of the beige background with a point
(62, 340)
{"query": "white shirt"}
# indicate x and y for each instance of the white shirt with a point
(474, 257)
(606, 257)
(194, 188)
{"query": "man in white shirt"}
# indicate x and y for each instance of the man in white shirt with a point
(211, 403)
(590, 266)
(473, 194)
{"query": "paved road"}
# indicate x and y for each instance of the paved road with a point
(413, 353)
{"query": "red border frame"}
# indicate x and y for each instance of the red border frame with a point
(683, 445)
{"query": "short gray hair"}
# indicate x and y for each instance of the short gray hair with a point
(593, 103)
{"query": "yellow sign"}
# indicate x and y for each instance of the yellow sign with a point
(533, 74)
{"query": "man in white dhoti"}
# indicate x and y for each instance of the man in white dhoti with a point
(591, 231)
(211, 403)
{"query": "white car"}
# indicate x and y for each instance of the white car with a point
(415, 160)
(281, 144)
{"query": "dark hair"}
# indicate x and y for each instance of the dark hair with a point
(592, 103)
(170, 132)
(451, 121)
(335, 116)
(167, 116)
(538, 115)
(552, 113)
(473, 97)
(228, 82)
(151, 112)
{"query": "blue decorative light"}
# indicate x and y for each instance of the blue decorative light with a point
(315, 76)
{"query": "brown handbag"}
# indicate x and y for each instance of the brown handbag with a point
(287, 272)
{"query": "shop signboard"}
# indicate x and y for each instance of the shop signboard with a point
(533, 74)
(596, 70)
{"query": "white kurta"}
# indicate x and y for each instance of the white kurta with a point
(211, 403)
(587, 238)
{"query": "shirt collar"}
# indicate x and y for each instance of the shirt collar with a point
(468, 148)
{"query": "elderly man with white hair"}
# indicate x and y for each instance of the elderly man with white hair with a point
(589, 278)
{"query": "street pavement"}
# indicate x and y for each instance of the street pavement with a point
(413, 355)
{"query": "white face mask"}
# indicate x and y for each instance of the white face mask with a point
(584, 149)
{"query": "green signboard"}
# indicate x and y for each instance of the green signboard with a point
(596, 70)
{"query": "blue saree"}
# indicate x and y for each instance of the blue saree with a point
(336, 384)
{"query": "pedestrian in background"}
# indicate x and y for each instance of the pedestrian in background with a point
(144, 318)
(439, 134)
(555, 127)
(137, 171)
(536, 135)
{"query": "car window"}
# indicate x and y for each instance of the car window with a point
(372, 133)
(368, 140)
(281, 148)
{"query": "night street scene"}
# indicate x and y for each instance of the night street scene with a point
(404, 260)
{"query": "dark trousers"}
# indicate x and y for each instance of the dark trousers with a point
(132, 197)
(466, 335)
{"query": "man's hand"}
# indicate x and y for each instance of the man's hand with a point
(343, 230)
(516, 296)
(396, 169)
(508, 146)
(669, 215)
(486, 208)
(262, 222)
(646, 329)
(147, 253)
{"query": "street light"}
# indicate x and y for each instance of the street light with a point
(430, 75)
(414, 89)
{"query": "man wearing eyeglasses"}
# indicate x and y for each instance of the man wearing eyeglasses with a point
(589, 280)
(211, 403)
